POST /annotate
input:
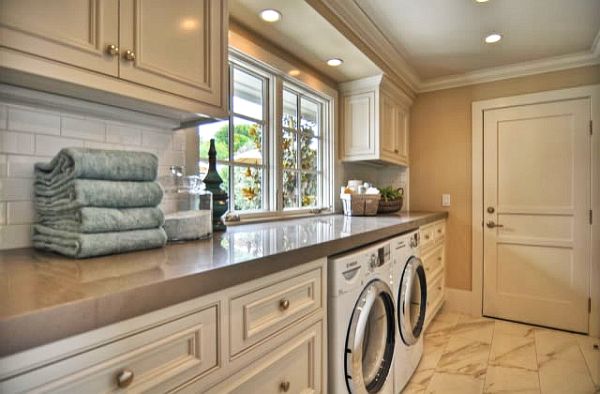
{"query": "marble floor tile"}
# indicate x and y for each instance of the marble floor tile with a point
(513, 351)
(515, 329)
(551, 345)
(476, 328)
(465, 356)
(449, 383)
(419, 381)
(565, 376)
(591, 356)
(511, 380)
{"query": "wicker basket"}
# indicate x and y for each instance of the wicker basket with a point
(390, 206)
(360, 204)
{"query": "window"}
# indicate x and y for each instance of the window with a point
(271, 167)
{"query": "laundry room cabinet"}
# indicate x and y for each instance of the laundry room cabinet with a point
(375, 121)
(150, 51)
(433, 255)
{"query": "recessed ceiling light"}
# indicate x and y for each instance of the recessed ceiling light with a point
(481, 1)
(270, 15)
(294, 72)
(334, 62)
(492, 38)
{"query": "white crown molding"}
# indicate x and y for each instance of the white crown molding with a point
(510, 71)
(349, 18)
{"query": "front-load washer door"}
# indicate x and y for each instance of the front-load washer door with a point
(412, 301)
(371, 339)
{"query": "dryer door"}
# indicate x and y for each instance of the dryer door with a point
(412, 301)
(371, 339)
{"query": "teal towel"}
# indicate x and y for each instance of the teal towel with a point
(85, 163)
(98, 220)
(79, 193)
(88, 245)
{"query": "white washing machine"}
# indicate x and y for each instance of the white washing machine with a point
(361, 322)
(409, 284)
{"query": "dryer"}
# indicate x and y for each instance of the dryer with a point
(409, 284)
(361, 324)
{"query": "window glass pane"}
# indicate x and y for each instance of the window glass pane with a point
(220, 132)
(290, 191)
(290, 109)
(247, 94)
(309, 121)
(290, 147)
(247, 188)
(247, 142)
(309, 189)
(309, 148)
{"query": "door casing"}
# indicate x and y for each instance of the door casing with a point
(478, 107)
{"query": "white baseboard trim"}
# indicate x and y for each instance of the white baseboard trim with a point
(461, 301)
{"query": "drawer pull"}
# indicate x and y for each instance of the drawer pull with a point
(284, 386)
(284, 304)
(124, 378)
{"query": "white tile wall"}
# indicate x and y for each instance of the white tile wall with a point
(30, 134)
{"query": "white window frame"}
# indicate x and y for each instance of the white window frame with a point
(272, 138)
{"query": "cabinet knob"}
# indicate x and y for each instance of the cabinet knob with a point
(284, 386)
(284, 304)
(124, 378)
(396, 151)
(439, 230)
(439, 258)
(112, 50)
(426, 236)
(129, 55)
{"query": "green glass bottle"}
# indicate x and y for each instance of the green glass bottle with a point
(213, 181)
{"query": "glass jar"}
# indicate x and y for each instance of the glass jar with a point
(187, 206)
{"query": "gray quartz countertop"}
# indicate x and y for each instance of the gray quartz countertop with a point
(45, 297)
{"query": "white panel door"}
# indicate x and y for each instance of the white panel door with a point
(537, 239)
(74, 32)
(176, 47)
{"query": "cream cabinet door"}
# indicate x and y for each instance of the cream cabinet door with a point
(388, 127)
(360, 125)
(175, 47)
(401, 135)
(69, 31)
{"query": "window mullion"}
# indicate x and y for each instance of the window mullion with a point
(298, 153)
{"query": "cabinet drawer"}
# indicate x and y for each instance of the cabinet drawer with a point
(260, 313)
(435, 294)
(426, 236)
(158, 360)
(433, 261)
(439, 231)
(294, 367)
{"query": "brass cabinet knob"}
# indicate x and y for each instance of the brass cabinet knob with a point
(129, 55)
(396, 151)
(112, 50)
(284, 386)
(439, 230)
(439, 258)
(284, 304)
(124, 378)
(426, 236)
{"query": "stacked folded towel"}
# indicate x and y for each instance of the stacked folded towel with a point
(93, 202)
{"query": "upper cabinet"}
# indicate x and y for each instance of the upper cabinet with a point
(166, 54)
(375, 119)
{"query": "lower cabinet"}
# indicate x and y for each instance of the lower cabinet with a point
(433, 255)
(266, 335)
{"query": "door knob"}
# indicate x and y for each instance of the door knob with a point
(491, 224)
(129, 55)
(491, 210)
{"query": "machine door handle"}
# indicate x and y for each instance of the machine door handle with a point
(491, 224)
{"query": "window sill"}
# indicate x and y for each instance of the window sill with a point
(252, 219)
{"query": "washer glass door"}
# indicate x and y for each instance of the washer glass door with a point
(370, 341)
(412, 302)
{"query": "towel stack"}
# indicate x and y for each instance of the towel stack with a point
(93, 202)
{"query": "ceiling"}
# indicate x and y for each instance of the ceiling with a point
(435, 43)
(445, 37)
(303, 32)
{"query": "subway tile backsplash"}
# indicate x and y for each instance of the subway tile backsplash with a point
(29, 134)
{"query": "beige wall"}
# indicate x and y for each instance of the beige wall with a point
(440, 153)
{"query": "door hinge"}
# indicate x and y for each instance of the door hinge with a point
(591, 127)
(591, 216)
(590, 305)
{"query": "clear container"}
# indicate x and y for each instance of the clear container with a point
(187, 206)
